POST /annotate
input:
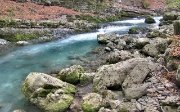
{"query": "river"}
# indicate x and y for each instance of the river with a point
(45, 57)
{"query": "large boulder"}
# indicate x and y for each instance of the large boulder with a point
(170, 16)
(133, 85)
(71, 75)
(176, 27)
(141, 42)
(112, 76)
(117, 56)
(47, 92)
(92, 102)
(156, 47)
(150, 20)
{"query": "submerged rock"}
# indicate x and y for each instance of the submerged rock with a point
(47, 92)
(92, 102)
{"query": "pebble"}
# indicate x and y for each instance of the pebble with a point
(162, 98)
(160, 88)
(138, 105)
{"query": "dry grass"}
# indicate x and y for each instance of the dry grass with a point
(30, 11)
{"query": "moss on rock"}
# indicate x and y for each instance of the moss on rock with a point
(149, 20)
(72, 74)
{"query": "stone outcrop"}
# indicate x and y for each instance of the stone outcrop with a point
(117, 56)
(48, 93)
(156, 47)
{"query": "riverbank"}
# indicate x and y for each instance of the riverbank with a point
(130, 73)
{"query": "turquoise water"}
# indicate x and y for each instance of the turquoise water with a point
(16, 65)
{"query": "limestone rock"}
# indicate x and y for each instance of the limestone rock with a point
(117, 56)
(71, 75)
(92, 102)
(141, 42)
(135, 91)
(47, 92)
(105, 38)
(113, 75)
(156, 47)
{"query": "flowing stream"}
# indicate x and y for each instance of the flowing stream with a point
(45, 57)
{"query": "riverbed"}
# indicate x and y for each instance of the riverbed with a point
(47, 57)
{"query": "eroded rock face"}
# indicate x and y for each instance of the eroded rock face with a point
(117, 56)
(113, 75)
(92, 102)
(156, 47)
(47, 92)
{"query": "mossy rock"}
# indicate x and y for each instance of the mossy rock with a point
(149, 20)
(71, 75)
(133, 30)
(47, 92)
(92, 102)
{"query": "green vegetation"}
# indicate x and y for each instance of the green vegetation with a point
(173, 4)
(21, 36)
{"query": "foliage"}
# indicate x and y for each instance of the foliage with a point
(174, 4)
(22, 36)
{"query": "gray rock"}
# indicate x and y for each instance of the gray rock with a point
(3, 42)
(48, 93)
(171, 101)
(92, 102)
(86, 78)
(106, 38)
(135, 91)
(117, 56)
(141, 42)
(113, 75)
(156, 47)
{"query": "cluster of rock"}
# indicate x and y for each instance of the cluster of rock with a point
(133, 79)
